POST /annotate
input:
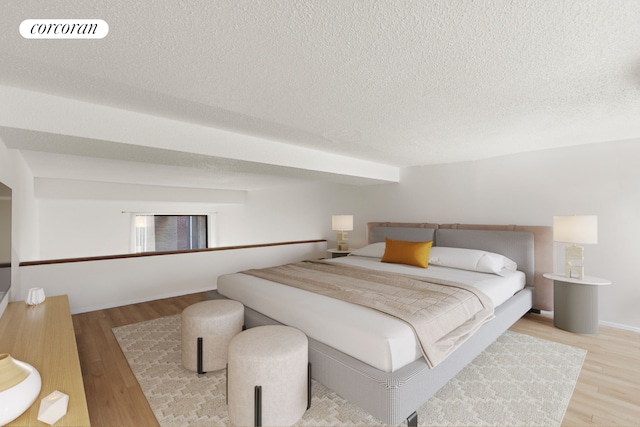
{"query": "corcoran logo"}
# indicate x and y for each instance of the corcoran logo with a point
(64, 29)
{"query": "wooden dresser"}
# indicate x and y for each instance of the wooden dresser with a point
(43, 337)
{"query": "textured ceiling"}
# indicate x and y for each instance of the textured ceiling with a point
(396, 82)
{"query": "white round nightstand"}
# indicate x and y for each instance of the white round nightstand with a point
(575, 302)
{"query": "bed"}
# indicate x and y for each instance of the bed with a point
(376, 361)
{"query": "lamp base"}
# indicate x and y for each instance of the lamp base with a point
(343, 241)
(573, 268)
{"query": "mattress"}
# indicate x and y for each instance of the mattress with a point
(379, 340)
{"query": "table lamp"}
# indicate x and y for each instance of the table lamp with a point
(342, 224)
(575, 229)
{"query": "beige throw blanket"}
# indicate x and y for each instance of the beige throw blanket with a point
(443, 314)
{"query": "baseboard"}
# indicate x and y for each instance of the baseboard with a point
(619, 326)
(602, 323)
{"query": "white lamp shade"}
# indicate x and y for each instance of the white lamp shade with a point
(576, 229)
(342, 222)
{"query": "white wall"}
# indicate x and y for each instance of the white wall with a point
(15, 174)
(81, 228)
(530, 188)
(292, 213)
(93, 285)
(70, 228)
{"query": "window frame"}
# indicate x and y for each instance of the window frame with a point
(211, 228)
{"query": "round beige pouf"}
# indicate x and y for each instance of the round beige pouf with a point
(276, 359)
(216, 322)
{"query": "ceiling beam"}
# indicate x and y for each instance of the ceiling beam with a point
(41, 112)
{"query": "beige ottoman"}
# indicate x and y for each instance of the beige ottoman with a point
(268, 376)
(207, 329)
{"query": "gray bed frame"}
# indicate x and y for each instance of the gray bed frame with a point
(393, 397)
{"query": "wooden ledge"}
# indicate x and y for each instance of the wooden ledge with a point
(147, 254)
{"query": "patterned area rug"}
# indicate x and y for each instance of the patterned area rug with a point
(519, 380)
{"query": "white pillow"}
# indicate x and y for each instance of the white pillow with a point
(374, 250)
(472, 259)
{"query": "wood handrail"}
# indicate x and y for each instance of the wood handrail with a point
(147, 254)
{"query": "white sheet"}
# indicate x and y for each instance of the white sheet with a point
(381, 341)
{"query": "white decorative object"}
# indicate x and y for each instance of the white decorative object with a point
(20, 385)
(342, 224)
(35, 296)
(53, 407)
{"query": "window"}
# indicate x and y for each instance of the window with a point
(158, 233)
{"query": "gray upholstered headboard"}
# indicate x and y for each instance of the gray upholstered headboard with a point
(529, 246)
(378, 234)
(515, 245)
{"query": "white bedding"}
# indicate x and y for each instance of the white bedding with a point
(377, 339)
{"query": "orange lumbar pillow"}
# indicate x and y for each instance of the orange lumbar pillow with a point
(410, 253)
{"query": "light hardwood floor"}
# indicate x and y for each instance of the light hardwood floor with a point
(607, 393)
(608, 389)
